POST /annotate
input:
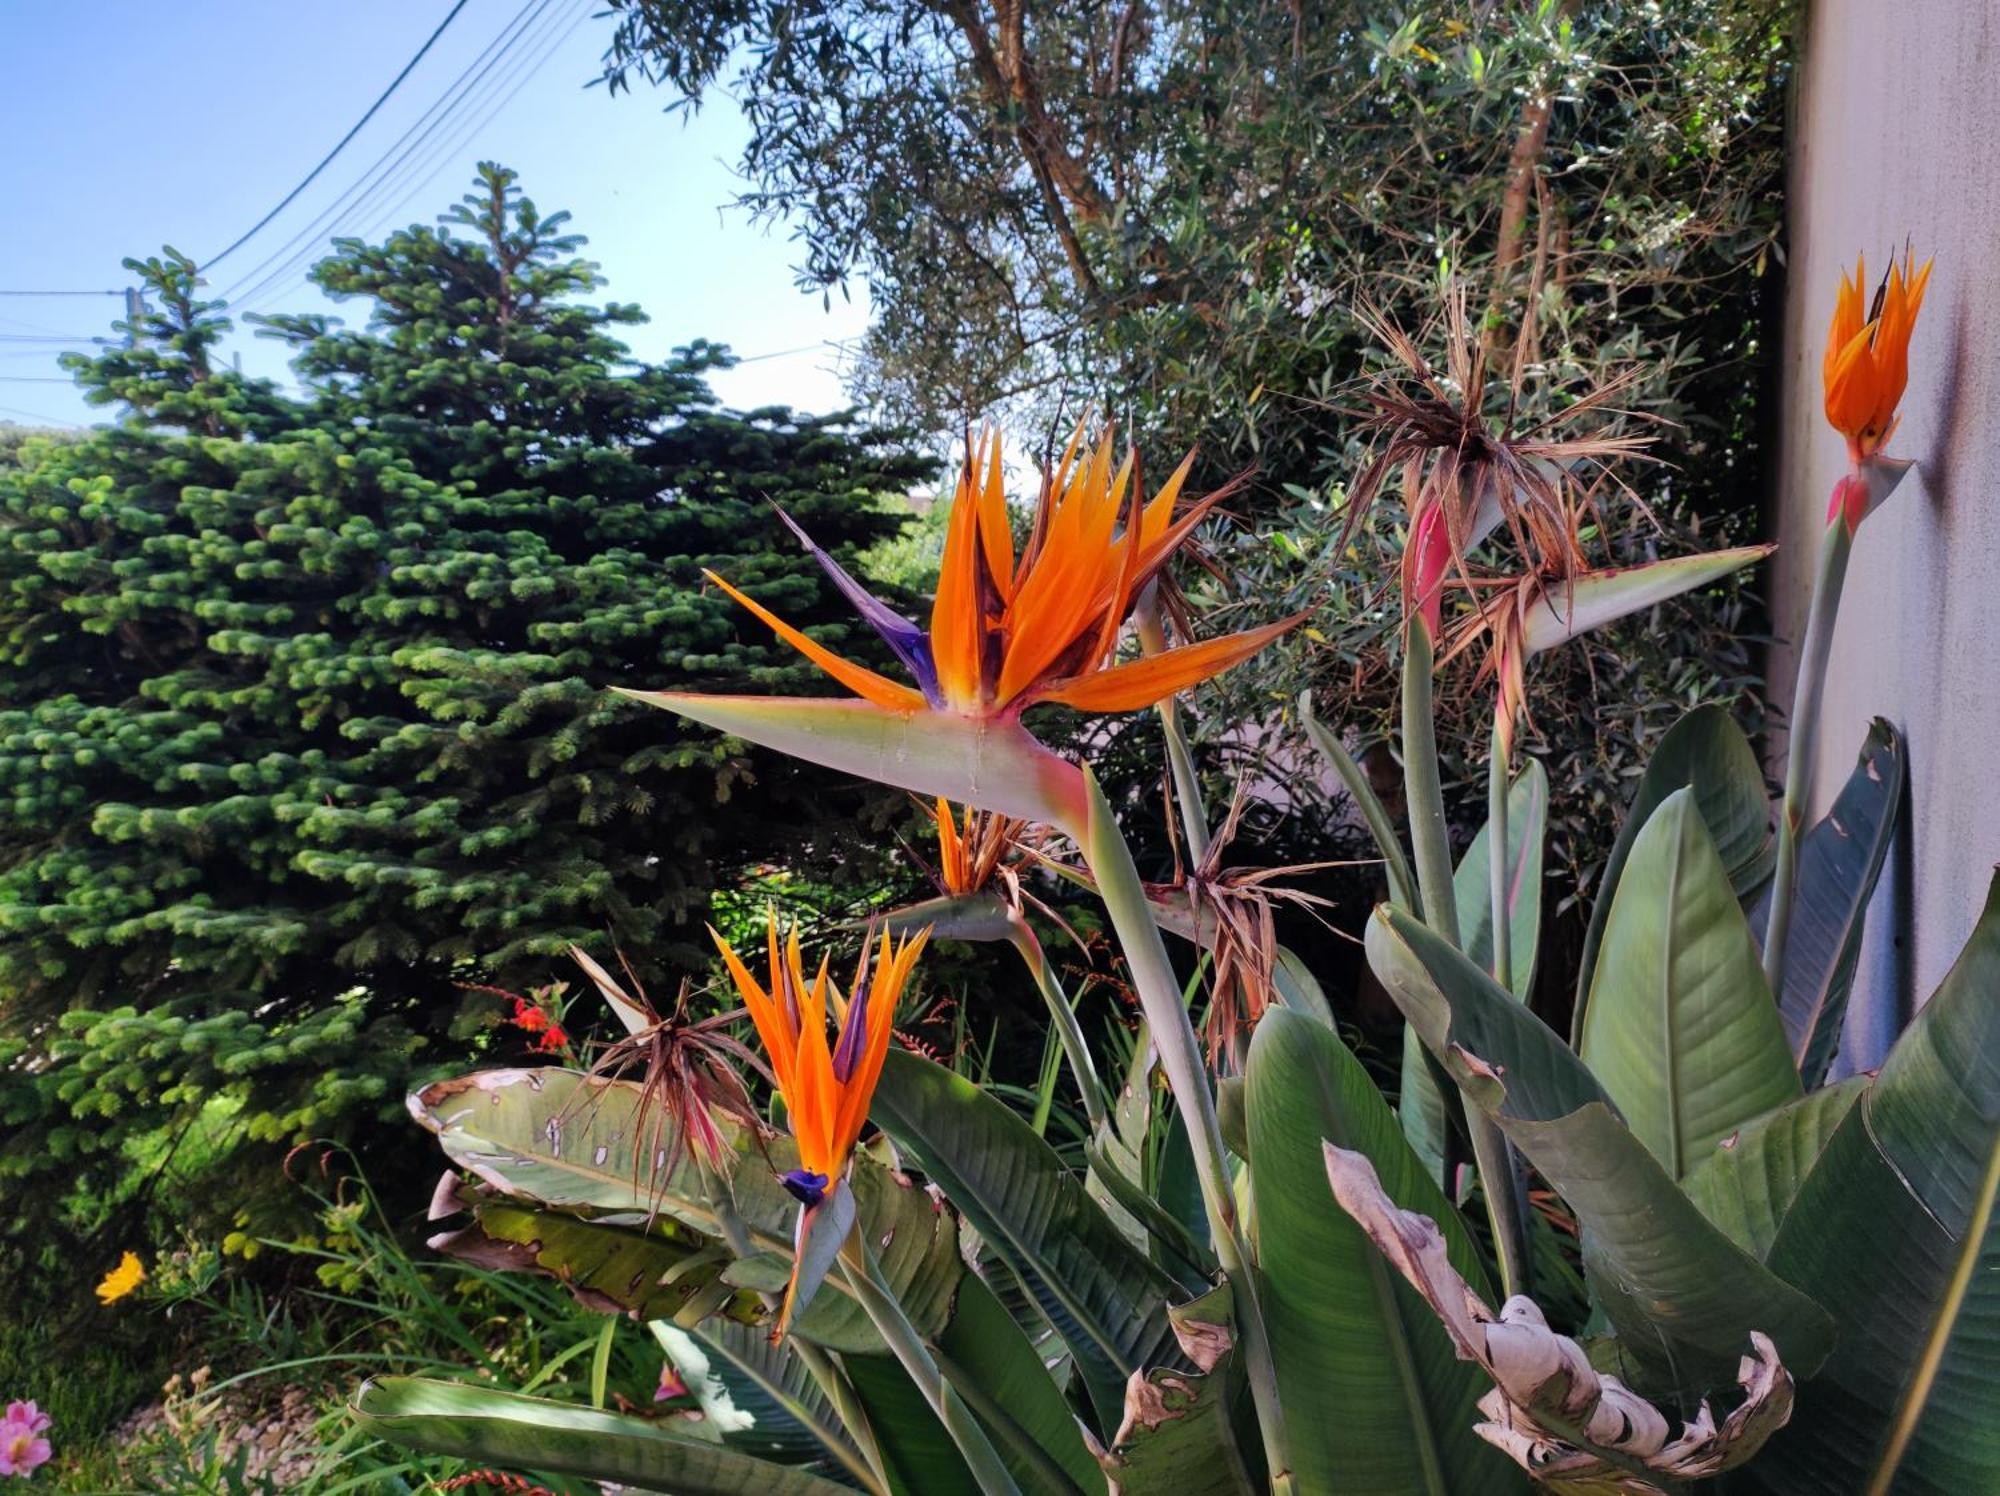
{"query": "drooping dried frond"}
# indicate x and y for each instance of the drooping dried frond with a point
(687, 1069)
(1231, 913)
(1471, 472)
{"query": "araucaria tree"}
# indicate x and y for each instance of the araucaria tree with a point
(303, 706)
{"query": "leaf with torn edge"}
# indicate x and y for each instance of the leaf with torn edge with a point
(1567, 1425)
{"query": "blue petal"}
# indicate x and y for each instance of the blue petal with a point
(912, 644)
(853, 1033)
(805, 1186)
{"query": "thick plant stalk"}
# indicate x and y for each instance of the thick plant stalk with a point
(1497, 869)
(1110, 861)
(1069, 1033)
(1506, 1209)
(1827, 583)
(1421, 788)
(865, 1278)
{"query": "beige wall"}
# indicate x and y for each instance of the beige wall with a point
(1898, 136)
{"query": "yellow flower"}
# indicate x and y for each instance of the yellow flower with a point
(1867, 362)
(122, 1279)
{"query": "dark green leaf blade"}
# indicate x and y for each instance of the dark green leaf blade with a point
(1748, 1183)
(1682, 1296)
(1707, 751)
(532, 1433)
(1895, 1207)
(1347, 1333)
(1681, 1030)
(1840, 861)
(1105, 1298)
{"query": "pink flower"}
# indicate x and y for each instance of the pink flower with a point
(23, 1450)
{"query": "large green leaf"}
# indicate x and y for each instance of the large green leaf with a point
(1682, 1296)
(995, 1368)
(918, 1456)
(1840, 860)
(1706, 751)
(532, 1433)
(1180, 1433)
(755, 1396)
(584, 1143)
(1104, 1297)
(656, 1271)
(1681, 1031)
(1896, 1209)
(1746, 1185)
(1377, 1398)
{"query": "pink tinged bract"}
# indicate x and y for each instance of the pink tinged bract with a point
(991, 763)
(1596, 598)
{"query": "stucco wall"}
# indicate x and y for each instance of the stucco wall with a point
(1898, 137)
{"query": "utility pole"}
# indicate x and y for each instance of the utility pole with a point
(135, 308)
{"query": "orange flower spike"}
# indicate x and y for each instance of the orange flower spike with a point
(827, 1085)
(1867, 361)
(1007, 631)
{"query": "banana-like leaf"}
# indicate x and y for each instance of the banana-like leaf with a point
(576, 1142)
(533, 1433)
(1106, 1299)
(1707, 751)
(1840, 860)
(656, 1272)
(1599, 597)
(1748, 1183)
(1894, 1232)
(1421, 1106)
(1682, 1296)
(918, 1455)
(755, 1396)
(1569, 1426)
(1177, 1436)
(1003, 1379)
(1681, 1031)
(993, 764)
(1378, 1399)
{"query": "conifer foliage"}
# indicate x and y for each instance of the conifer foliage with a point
(303, 698)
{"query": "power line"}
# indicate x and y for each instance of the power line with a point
(61, 293)
(313, 234)
(327, 160)
(520, 76)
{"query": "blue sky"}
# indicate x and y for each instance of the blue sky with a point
(133, 126)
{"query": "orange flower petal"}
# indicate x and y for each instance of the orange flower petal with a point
(859, 679)
(1146, 682)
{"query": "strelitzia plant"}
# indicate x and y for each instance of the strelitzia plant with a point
(1008, 631)
(1786, 1285)
(1864, 371)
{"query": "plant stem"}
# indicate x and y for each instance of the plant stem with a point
(1422, 788)
(1834, 548)
(1110, 861)
(864, 1276)
(1076, 1049)
(1497, 859)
